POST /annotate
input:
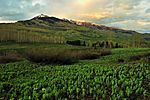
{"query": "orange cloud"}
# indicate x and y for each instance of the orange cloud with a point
(96, 15)
(143, 23)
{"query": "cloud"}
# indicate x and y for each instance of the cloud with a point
(129, 15)
(18, 9)
(95, 15)
(140, 26)
(120, 13)
(147, 10)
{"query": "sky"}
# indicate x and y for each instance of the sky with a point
(126, 14)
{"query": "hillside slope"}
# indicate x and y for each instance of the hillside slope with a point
(54, 30)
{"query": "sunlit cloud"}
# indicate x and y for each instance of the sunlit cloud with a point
(143, 23)
(95, 15)
(108, 12)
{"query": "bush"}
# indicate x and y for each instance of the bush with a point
(83, 55)
(9, 57)
(75, 42)
(139, 57)
(91, 53)
(63, 57)
(50, 56)
(104, 52)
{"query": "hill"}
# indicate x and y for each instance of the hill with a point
(47, 58)
(43, 28)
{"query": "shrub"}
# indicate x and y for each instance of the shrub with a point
(50, 56)
(75, 42)
(9, 57)
(139, 57)
(104, 52)
(92, 53)
(62, 56)
(83, 55)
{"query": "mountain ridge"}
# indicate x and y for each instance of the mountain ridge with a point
(53, 19)
(43, 28)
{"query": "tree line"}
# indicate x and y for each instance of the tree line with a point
(29, 37)
(103, 44)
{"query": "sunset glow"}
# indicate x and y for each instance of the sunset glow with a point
(81, 1)
(107, 12)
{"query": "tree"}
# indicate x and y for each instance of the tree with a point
(75, 42)
(84, 44)
(111, 36)
(137, 40)
(116, 45)
(107, 44)
(111, 45)
(101, 44)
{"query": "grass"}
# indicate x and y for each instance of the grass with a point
(19, 46)
(119, 53)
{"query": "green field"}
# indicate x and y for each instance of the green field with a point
(120, 75)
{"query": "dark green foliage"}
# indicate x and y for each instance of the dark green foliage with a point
(75, 42)
(84, 44)
(101, 44)
(106, 44)
(116, 45)
(121, 60)
(111, 45)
